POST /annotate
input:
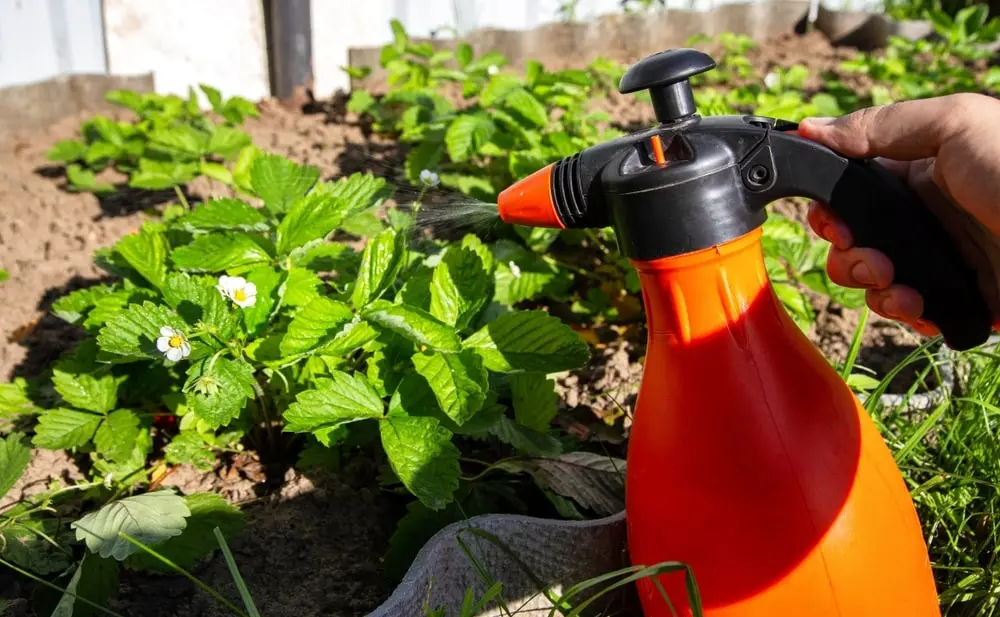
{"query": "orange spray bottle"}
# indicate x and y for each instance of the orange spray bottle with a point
(749, 457)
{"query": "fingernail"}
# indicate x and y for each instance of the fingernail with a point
(861, 273)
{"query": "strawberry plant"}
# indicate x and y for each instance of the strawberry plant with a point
(170, 142)
(251, 325)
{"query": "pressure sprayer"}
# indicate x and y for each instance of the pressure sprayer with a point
(750, 459)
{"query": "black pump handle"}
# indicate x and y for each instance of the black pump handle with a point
(885, 214)
(665, 75)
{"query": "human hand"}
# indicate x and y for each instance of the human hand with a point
(948, 150)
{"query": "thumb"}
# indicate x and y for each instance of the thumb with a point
(904, 131)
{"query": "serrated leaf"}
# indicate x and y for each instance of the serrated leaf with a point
(416, 291)
(459, 382)
(524, 439)
(218, 252)
(340, 400)
(73, 307)
(524, 104)
(227, 141)
(359, 191)
(279, 181)
(413, 324)
(223, 214)
(268, 281)
(423, 457)
(352, 336)
(85, 384)
(301, 287)
(116, 435)
(14, 459)
(132, 333)
(197, 301)
(534, 399)
(189, 448)
(217, 392)
(197, 541)
(521, 275)
(460, 286)
(529, 341)
(149, 518)
(63, 429)
(317, 322)
(22, 543)
(146, 253)
(66, 151)
(426, 155)
(594, 481)
(14, 399)
(310, 218)
(381, 262)
(132, 470)
(466, 134)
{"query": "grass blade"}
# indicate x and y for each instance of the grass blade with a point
(42, 581)
(235, 572)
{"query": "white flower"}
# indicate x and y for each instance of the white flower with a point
(237, 289)
(173, 344)
(771, 80)
(493, 70)
(108, 479)
(514, 269)
(429, 178)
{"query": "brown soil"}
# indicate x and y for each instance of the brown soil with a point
(313, 545)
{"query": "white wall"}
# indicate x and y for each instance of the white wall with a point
(186, 42)
(40, 39)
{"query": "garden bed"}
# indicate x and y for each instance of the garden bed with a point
(314, 543)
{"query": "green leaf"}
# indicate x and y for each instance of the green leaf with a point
(216, 171)
(301, 287)
(131, 471)
(14, 399)
(268, 281)
(227, 141)
(414, 324)
(360, 102)
(359, 191)
(22, 543)
(423, 457)
(132, 333)
(381, 262)
(352, 336)
(66, 151)
(149, 518)
(535, 400)
(181, 141)
(524, 104)
(340, 400)
(189, 448)
(146, 253)
(218, 252)
(525, 439)
(63, 429)
(223, 214)
(74, 306)
(117, 435)
(217, 392)
(85, 384)
(279, 181)
(460, 286)
(463, 54)
(310, 218)
(160, 175)
(197, 541)
(14, 459)
(466, 135)
(529, 277)
(96, 580)
(459, 382)
(529, 341)
(198, 302)
(317, 322)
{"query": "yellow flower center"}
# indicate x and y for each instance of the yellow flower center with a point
(240, 295)
(176, 341)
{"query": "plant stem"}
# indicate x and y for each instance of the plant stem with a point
(261, 396)
(181, 198)
(58, 588)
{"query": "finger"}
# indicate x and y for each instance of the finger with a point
(828, 226)
(860, 268)
(904, 131)
(897, 302)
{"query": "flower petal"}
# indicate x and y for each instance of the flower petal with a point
(163, 343)
(174, 354)
(185, 349)
(250, 289)
(167, 331)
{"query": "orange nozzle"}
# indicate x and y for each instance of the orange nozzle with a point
(529, 201)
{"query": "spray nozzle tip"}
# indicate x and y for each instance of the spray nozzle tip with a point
(530, 202)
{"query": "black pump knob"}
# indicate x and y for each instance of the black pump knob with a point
(665, 75)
